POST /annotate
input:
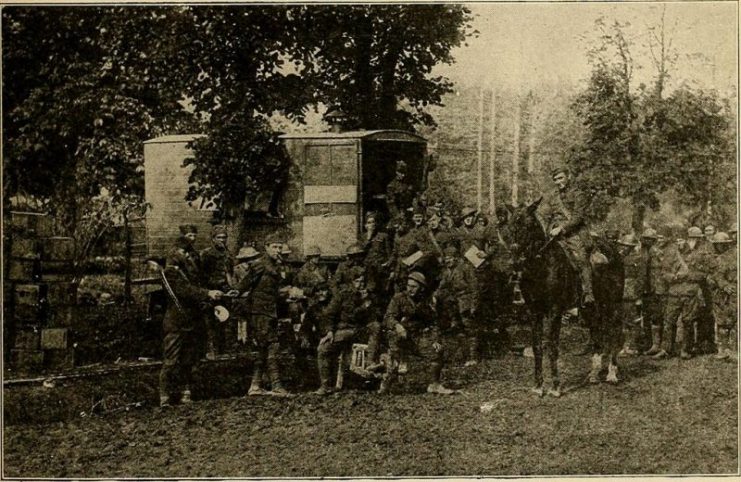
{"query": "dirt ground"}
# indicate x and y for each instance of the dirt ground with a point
(665, 417)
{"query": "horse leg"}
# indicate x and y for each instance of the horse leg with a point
(537, 342)
(597, 340)
(553, 341)
(613, 341)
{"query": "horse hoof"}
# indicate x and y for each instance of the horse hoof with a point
(538, 391)
(593, 379)
(554, 392)
(612, 379)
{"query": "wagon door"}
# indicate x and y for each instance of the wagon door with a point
(331, 206)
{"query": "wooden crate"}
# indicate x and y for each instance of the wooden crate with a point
(55, 338)
(58, 248)
(27, 360)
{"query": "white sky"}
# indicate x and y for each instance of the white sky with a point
(526, 43)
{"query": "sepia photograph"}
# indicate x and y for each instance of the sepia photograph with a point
(369, 240)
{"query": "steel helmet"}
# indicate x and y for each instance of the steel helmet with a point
(418, 277)
(734, 228)
(285, 249)
(466, 212)
(650, 233)
(721, 237)
(247, 252)
(355, 249)
(694, 232)
(313, 250)
(628, 240)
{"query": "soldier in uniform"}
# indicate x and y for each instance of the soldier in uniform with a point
(723, 282)
(631, 312)
(457, 300)
(241, 282)
(377, 246)
(312, 275)
(217, 265)
(565, 215)
(399, 194)
(181, 335)
(343, 275)
(412, 330)
(685, 301)
(653, 289)
(350, 313)
(268, 294)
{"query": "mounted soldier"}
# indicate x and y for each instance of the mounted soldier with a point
(565, 217)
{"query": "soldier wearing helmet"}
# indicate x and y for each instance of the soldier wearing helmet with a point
(312, 274)
(652, 289)
(685, 297)
(412, 330)
(565, 215)
(349, 315)
(631, 257)
(723, 282)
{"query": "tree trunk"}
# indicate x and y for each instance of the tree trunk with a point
(639, 214)
(363, 72)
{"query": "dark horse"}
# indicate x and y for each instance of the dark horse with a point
(550, 286)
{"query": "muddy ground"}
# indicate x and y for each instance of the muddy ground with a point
(665, 417)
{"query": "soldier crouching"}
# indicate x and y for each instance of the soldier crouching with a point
(412, 330)
(181, 339)
(349, 314)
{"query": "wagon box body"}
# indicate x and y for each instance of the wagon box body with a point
(333, 180)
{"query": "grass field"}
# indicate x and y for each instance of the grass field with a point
(665, 417)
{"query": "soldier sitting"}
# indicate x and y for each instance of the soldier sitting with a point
(457, 300)
(349, 313)
(412, 330)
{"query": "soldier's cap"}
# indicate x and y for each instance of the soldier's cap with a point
(734, 228)
(559, 170)
(695, 232)
(218, 229)
(650, 233)
(450, 251)
(721, 238)
(628, 240)
(401, 166)
(418, 277)
(355, 249)
(466, 212)
(247, 252)
(285, 249)
(275, 238)
(313, 250)
(188, 228)
(371, 215)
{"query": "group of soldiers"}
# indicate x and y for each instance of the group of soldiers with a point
(680, 293)
(429, 273)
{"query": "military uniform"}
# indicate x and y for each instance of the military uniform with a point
(181, 324)
(343, 274)
(266, 298)
(458, 301)
(217, 265)
(377, 255)
(399, 196)
(310, 277)
(631, 310)
(653, 294)
(723, 285)
(347, 317)
(568, 209)
(418, 319)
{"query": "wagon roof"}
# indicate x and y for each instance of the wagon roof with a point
(175, 138)
(376, 135)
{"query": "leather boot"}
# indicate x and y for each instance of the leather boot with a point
(655, 341)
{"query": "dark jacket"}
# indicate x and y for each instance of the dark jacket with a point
(266, 284)
(415, 316)
(181, 274)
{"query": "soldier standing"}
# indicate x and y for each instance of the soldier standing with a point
(242, 283)
(631, 295)
(268, 295)
(723, 285)
(412, 330)
(349, 313)
(457, 300)
(217, 265)
(399, 194)
(684, 297)
(652, 296)
(377, 246)
(565, 216)
(184, 311)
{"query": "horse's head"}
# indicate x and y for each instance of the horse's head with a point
(526, 234)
